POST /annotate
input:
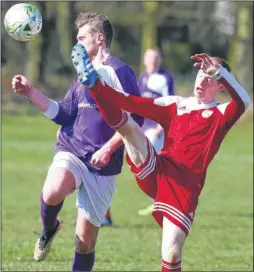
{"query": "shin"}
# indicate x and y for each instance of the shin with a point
(85, 241)
(132, 135)
(173, 239)
(135, 142)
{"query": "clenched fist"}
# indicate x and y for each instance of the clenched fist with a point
(101, 158)
(21, 85)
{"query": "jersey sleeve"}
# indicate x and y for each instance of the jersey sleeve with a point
(68, 107)
(240, 99)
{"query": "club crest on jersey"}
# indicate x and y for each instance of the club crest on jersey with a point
(183, 108)
(206, 113)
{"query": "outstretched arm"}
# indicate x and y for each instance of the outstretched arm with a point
(23, 87)
(240, 98)
(61, 113)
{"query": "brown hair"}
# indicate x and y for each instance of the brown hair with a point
(99, 24)
(223, 63)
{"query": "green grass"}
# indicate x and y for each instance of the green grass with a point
(221, 238)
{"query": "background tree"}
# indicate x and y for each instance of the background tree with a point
(241, 48)
(149, 27)
(178, 28)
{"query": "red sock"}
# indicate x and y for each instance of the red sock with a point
(108, 214)
(168, 267)
(110, 112)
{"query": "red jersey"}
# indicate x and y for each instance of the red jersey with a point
(193, 131)
(193, 134)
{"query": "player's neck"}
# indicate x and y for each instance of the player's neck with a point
(152, 71)
(206, 102)
(101, 56)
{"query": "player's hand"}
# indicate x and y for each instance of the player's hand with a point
(21, 85)
(101, 158)
(208, 64)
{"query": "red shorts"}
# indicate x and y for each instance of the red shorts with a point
(169, 186)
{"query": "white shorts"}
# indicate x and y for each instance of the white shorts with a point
(157, 142)
(95, 192)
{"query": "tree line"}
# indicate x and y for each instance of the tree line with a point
(179, 29)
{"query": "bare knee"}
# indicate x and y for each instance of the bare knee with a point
(57, 185)
(52, 197)
(83, 245)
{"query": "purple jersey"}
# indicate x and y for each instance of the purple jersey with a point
(83, 129)
(156, 85)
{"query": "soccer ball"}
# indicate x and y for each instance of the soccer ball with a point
(23, 22)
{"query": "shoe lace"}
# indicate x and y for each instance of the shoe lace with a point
(44, 237)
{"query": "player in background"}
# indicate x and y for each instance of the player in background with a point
(88, 154)
(155, 82)
(194, 130)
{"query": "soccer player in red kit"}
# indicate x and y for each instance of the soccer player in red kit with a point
(194, 129)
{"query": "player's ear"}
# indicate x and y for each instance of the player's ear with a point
(221, 87)
(100, 38)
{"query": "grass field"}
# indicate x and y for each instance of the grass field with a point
(221, 238)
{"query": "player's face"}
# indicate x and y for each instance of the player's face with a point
(152, 60)
(90, 40)
(206, 87)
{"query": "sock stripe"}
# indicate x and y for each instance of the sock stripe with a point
(122, 122)
(168, 263)
(172, 266)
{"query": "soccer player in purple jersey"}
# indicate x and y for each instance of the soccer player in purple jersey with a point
(88, 154)
(155, 82)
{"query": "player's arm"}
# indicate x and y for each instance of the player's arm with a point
(240, 99)
(61, 113)
(113, 143)
(102, 156)
(65, 111)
